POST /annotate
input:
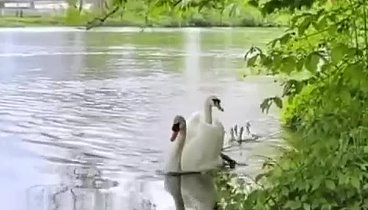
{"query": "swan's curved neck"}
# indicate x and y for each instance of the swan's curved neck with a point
(173, 163)
(180, 141)
(208, 112)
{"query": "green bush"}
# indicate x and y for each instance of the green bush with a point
(328, 168)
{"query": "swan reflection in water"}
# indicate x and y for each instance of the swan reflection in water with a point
(172, 184)
(192, 191)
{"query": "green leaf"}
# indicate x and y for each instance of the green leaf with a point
(355, 182)
(299, 65)
(260, 176)
(277, 61)
(288, 64)
(293, 205)
(253, 3)
(252, 60)
(265, 105)
(316, 183)
(294, 20)
(342, 178)
(306, 206)
(315, 25)
(332, 29)
(278, 102)
(322, 23)
(265, 60)
(284, 39)
(354, 73)
(338, 52)
(304, 25)
(284, 191)
(351, 52)
(355, 206)
(326, 207)
(345, 96)
(330, 184)
(273, 42)
(311, 62)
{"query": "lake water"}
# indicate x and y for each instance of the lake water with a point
(85, 117)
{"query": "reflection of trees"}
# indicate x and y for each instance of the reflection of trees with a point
(98, 55)
(77, 62)
(143, 53)
(161, 49)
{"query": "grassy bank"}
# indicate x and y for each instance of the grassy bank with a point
(133, 21)
(135, 15)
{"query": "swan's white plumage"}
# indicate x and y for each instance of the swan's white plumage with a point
(174, 155)
(193, 125)
(203, 144)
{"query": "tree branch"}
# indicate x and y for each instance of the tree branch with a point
(177, 2)
(98, 21)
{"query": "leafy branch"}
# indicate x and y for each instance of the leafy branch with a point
(98, 21)
(267, 102)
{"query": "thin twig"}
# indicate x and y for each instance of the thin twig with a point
(177, 2)
(98, 21)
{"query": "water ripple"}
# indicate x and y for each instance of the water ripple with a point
(95, 108)
(101, 116)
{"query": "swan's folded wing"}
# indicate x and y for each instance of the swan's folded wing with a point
(203, 150)
(193, 125)
(220, 131)
(219, 126)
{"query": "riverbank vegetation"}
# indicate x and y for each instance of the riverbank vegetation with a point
(143, 13)
(327, 112)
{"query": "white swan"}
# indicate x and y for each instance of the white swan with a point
(184, 189)
(173, 183)
(179, 129)
(204, 139)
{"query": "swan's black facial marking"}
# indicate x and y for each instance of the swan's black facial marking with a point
(175, 127)
(216, 101)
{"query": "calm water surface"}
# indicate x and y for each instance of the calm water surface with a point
(85, 116)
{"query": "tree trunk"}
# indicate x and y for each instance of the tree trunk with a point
(80, 6)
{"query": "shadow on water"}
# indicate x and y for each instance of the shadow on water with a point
(89, 113)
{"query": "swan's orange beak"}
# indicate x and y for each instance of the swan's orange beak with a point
(174, 135)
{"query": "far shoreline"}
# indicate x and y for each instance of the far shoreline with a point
(133, 26)
(107, 28)
(61, 21)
